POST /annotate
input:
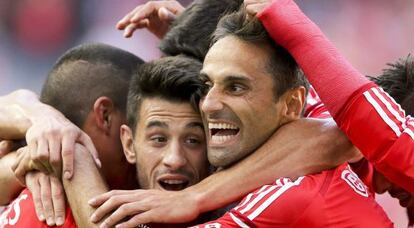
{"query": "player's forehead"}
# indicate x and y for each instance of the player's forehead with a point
(233, 57)
(168, 115)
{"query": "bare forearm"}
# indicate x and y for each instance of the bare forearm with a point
(86, 183)
(16, 109)
(297, 149)
(9, 185)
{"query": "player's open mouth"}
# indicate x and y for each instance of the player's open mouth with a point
(222, 132)
(173, 185)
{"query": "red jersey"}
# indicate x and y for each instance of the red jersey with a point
(332, 198)
(21, 213)
(314, 106)
(370, 118)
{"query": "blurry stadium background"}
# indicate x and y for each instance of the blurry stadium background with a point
(33, 33)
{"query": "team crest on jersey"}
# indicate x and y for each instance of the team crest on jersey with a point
(353, 180)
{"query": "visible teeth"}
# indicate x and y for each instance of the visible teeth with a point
(173, 181)
(221, 139)
(221, 126)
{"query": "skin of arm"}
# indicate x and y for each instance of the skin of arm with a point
(10, 187)
(15, 109)
(86, 180)
(22, 115)
(303, 147)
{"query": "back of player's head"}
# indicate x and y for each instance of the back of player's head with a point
(398, 81)
(190, 34)
(85, 73)
(281, 65)
(174, 79)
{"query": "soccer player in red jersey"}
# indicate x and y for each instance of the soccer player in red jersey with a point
(372, 120)
(99, 109)
(253, 89)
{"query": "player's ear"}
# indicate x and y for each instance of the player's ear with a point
(293, 103)
(128, 144)
(103, 109)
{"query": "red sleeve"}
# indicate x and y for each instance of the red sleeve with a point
(384, 134)
(284, 204)
(369, 117)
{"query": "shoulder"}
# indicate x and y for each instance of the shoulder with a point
(283, 202)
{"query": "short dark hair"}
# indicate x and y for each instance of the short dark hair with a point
(398, 81)
(191, 32)
(282, 66)
(174, 78)
(85, 73)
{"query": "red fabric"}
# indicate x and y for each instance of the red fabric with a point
(314, 106)
(333, 198)
(21, 213)
(370, 118)
(384, 134)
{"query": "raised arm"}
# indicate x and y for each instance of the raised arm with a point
(86, 183)
(370, 118)
(298, 148)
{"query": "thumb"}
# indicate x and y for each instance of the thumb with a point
(165, 15)
(6, 146)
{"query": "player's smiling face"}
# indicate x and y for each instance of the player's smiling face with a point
(169, 145)
(239, 109)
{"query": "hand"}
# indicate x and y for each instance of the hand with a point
(51, 140)
(24, 164)
(48, 197)
(255, 6)
(144, 206)
(156, 16)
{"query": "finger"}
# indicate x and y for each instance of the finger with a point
(42, 153)
(126, 20)
(165, 15)
(122, 212)
(34, 187)
(99, 200)
(55, 154)
(68, 148)
(17, 161)
(109, 205)
(46, 197)
(19, 168)
(254, 8)
(88, 143)
(144, 12)
(32, 149)
(58, 199)
(130, 29)
(6, 147)
(173, 7)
